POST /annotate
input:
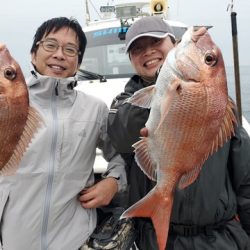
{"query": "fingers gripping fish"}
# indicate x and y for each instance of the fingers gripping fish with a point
(191, 117)
(18, 120)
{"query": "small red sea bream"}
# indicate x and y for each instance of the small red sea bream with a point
(18, 121)
(191, 116)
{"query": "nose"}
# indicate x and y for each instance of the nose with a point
(59, 53)
(148, 49)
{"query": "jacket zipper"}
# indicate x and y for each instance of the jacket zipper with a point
(44, 232)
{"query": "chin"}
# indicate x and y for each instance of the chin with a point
(151, 73)
(58, 75)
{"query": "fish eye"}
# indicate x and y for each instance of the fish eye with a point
(10, 73)
(210, 58)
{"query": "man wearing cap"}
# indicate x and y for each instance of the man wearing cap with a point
(148, 42)
(205, 214)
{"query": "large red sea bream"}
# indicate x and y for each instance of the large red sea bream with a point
(191, 117)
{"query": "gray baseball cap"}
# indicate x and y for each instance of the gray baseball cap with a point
(152, 26)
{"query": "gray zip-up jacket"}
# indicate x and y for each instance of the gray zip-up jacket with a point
(39, 205)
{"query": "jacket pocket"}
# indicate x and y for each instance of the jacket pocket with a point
(4, 195)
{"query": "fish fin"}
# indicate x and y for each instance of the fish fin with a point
(143, 97)
(156, 207)
(188, 178)
(34, 121)
(226, 130)
(143, 159)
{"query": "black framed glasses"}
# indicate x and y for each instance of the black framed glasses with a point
(52, 46)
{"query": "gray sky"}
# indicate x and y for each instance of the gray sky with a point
(20, 19)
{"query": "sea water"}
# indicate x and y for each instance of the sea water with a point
(244, 88)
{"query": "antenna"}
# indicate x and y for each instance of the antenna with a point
(236, 59)
(87, 12)
(95, 8)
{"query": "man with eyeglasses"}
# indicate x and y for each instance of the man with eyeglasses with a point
(50, 202)
(51, 45)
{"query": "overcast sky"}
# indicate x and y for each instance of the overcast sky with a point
(20, 19)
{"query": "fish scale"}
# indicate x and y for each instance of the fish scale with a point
(191, 117)
(18, 120)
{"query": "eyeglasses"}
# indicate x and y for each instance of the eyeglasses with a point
(52, 46)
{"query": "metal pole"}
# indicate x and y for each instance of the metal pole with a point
(87, 12)
(236, 64)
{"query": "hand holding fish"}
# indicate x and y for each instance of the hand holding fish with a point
(144, 132)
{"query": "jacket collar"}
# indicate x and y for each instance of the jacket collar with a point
(44, 87)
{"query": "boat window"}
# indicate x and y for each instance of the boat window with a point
(105, 53)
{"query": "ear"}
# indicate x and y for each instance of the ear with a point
(33, 58)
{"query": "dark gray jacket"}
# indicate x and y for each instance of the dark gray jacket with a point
(203, 215)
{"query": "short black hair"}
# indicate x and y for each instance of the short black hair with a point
(55, 24)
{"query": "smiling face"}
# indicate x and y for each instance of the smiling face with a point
(147, 54)
(57, 64)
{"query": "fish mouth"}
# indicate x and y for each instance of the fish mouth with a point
(185, 68)
(2, 47)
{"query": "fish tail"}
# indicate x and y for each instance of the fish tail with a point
(157, 207)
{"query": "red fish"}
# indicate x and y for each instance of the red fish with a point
(18, 121)
(191, 117)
